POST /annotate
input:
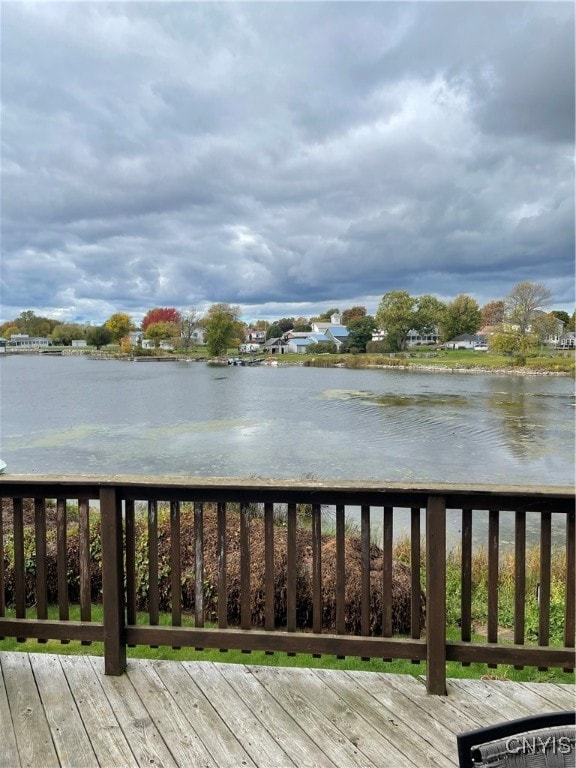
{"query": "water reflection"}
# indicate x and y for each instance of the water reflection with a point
(523, 417)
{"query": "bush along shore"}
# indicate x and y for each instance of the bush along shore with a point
(401, 597)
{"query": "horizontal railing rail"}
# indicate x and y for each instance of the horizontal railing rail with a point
(255, 565)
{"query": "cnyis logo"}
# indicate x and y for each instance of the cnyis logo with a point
(557, 745)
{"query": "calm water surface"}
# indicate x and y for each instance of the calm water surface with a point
(74, 415)
(70, 414)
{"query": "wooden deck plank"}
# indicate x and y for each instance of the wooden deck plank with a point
(530, 697)
(249, 731)
(288, 732)
(403, 695)
(559, 696)
(502, 703)
(202, 716)
(62, 711)
(389, 727)
(31, 731)
(138, 726)
(185, 744)
(333, 726)
(9, 757)
(108, 741)
(72, 742)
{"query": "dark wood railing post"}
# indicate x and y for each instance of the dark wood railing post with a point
(112, 582)
(436, 595)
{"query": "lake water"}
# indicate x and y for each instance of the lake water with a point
(74, 415)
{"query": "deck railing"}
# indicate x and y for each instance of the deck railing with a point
(119, 506)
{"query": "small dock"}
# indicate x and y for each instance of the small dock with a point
(58, 710)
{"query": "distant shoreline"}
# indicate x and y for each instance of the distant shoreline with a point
(325, 363)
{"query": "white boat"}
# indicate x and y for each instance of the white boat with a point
(2, 466)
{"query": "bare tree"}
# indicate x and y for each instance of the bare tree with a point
(521, 303)
(189, 322)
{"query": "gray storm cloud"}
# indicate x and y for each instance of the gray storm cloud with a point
(283, 157)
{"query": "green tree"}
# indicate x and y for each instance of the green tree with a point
(561, 315)
(223, 328)
(162, 331)
(120, 324)
(302, 327)
(285, 324)
(571, 323)
(360, 332)
(273, 332)
(399, 313)
(396, 316)
(34, 325)
(64, 333)
(463, 315)
(98, 336)
(429, 313)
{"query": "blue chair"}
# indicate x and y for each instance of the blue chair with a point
(539, 741)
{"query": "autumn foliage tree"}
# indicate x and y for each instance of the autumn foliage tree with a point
(161, 315)
(120, 324)
(493, 313)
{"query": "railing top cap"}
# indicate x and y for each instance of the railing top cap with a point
(283, 484)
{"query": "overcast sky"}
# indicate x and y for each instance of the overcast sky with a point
(286, 157)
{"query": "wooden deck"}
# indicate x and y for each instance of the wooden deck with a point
(63, 711)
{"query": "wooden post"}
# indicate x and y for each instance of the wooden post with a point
(436, 595)
(112, 583)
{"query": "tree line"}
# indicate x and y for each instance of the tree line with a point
(518, 323)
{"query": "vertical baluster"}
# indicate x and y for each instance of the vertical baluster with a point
(199, 564)
(269, 565)
(387, 537)
(316, 569)
(436, 595)
(84, 557)
(19, 568)
(291, 566)
(62, 550)
(130, 562)
(112, 581)
(493, 555)
(40, 545)
(222, 585)
(570, 600)
(2, 594)
(245, 601)
(545, 569)
(415, 584)
(153, 591)
(340, 572)
(519, 579)
(466, 579)
(365, 570)
(175, 566)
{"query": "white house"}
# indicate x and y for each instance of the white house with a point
(467, 341)
(24, 341)
(413, 338)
